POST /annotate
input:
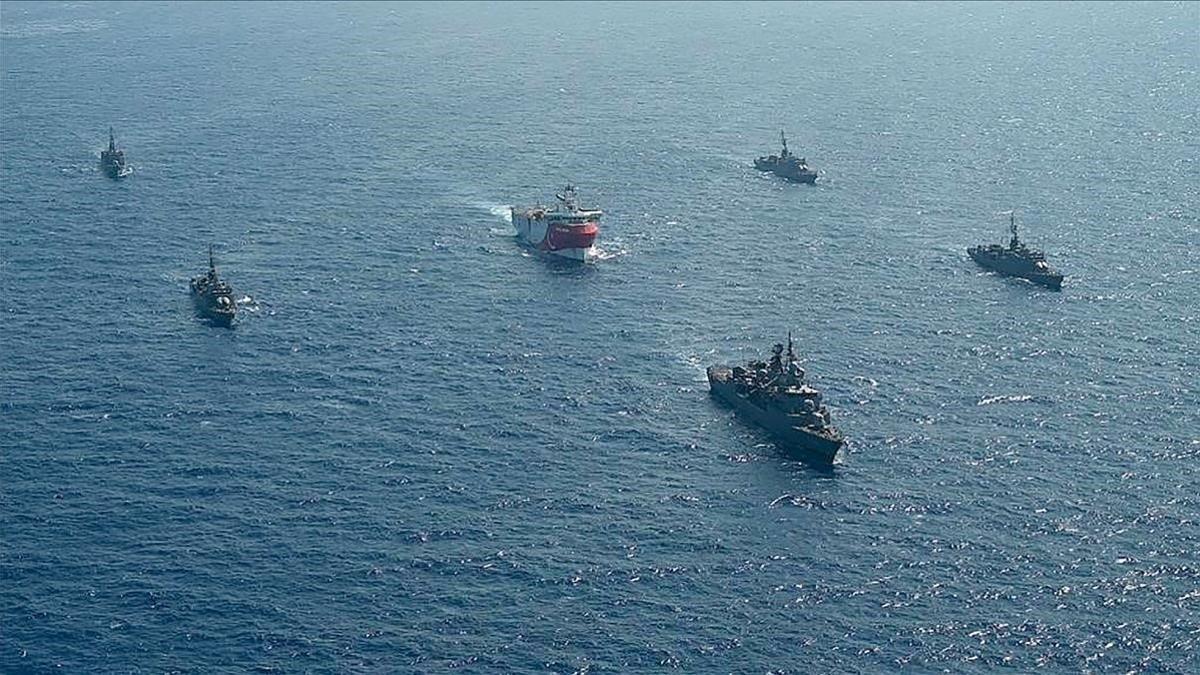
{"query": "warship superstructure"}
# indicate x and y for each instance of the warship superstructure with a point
(774, 395)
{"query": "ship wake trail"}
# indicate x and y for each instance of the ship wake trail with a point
(498, 212)
(503, 211)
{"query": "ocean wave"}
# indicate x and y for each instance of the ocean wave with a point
(41, 28)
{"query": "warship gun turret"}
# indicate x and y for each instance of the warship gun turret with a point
(786, 165)
(213, 296)
(775, 396)
(1017, 260)
(112, 160)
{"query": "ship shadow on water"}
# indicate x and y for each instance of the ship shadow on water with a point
(785, 462)
(800, 461)
(761, 445)
(559, 266)
(210, 322)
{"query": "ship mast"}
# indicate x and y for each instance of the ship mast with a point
(112, 141)
(568, 197)
(793, 374)
(1012, 227)
(212, 266)
(784, 140)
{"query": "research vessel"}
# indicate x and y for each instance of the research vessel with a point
(563, 229)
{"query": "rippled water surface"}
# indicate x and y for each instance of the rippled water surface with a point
(425, 450)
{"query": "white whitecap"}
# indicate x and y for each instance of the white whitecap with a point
(1012, 398)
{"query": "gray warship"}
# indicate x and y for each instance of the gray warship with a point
(786, 165)
(1017, 260)
(112, 160)
(774, 396)
(213, 296)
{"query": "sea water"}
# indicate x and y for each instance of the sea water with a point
(424, 448)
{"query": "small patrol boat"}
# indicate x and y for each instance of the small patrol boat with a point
(213, 296)
(775, 396)
(112, 160)
(1017, 260)
(565, 229)
(786, 165)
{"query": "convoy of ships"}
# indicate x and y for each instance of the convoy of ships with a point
(772, 394)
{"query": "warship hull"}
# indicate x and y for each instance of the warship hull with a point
(213, 315)
(806, 178)
(798, 441)
(1013, 269)
(790, 174)
(206, 307)
(115, 171)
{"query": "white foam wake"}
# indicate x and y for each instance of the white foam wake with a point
(501, 211)
(1011, 398)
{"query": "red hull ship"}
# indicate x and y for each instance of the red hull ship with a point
(564, 229)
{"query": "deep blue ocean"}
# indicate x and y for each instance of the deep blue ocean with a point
(425, 449)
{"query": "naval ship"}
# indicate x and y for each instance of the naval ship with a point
(775, 396)
(786, 165)
(1017, 260)
(112, 160)
(565, 229)
(213, 296)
